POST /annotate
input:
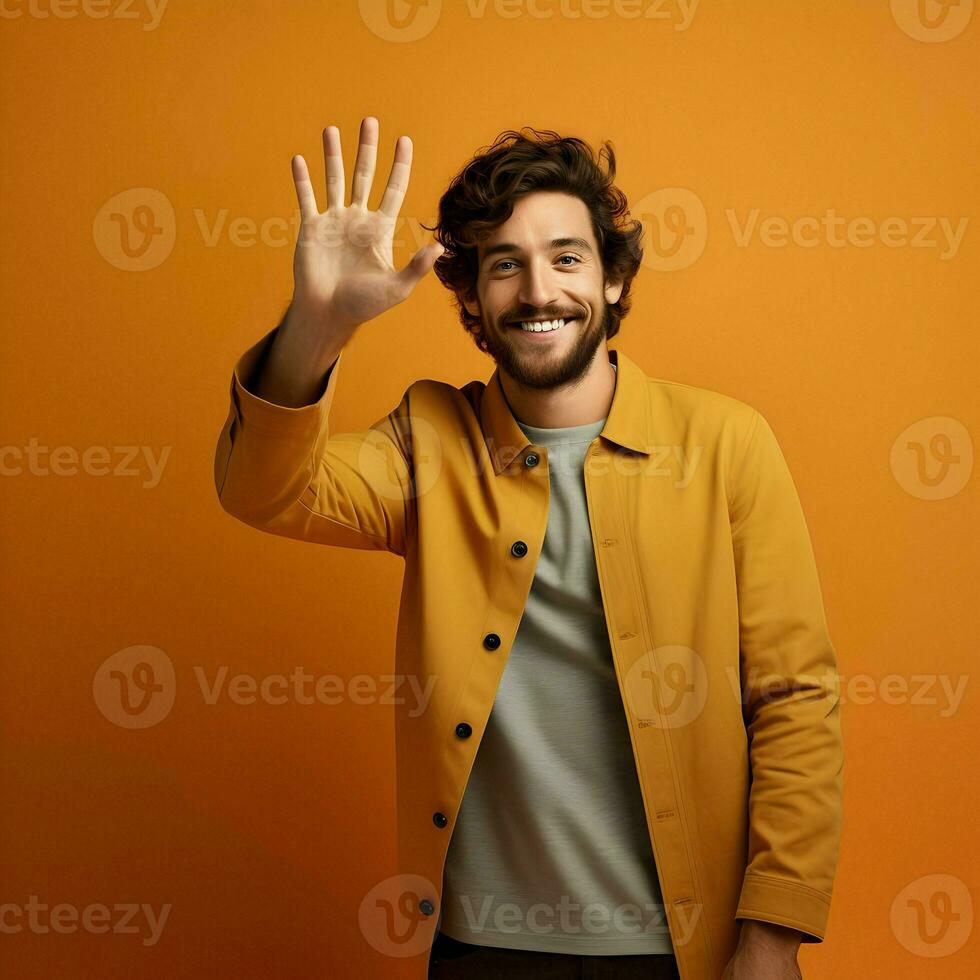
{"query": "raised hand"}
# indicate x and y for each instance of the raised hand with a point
(342, 269)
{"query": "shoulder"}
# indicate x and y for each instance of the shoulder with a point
(695, 399)
(681, 404)
(701, 419)
(680, 410)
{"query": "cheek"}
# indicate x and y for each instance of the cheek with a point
(496, 298)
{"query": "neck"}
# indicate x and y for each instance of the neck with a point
(587, 399)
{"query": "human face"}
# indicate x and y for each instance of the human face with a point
(543, 263)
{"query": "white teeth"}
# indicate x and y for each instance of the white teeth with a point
(541, 326)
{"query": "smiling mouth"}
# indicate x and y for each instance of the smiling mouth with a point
(542, 326)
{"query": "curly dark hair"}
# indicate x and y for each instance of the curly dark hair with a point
(481, 197)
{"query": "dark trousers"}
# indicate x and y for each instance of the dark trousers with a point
(455, 960)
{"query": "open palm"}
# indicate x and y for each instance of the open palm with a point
(343, 270)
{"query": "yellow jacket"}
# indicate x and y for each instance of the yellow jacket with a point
(711, 596)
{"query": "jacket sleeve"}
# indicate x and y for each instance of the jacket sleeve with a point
(281, 470)
(790, 695)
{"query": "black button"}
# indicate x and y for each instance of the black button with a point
(426, 907)
(518, 549)
(463, 730)
(531, 459)
(440, 819)
(491, 641)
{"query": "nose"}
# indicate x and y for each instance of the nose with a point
(537, 286)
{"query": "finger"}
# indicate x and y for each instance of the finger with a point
(304, 189)
(401, 168)
(419, 265)
(367, 155)
(333, 161)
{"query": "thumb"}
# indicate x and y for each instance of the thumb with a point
(419, 265)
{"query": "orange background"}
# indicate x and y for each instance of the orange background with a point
(263, 825)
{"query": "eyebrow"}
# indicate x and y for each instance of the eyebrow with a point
(580, 243)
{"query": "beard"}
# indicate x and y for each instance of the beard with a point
(545, 368)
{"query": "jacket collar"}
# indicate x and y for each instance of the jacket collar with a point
(626, 425)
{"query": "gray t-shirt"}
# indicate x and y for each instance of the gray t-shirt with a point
(551, 850)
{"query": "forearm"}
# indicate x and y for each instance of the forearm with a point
(294, 371)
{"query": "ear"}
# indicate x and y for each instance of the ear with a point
(469, 303)
(613, 291)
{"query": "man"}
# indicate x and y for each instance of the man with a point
(608, 576)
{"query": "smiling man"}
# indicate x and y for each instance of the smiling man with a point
(631, 762)
(543, 327)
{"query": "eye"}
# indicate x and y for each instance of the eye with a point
(574, 258)
(497, 267)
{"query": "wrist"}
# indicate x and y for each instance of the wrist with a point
(316, 339)
(770, 935)
(321, 323)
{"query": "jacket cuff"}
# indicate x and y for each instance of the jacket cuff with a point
(256, 412)
(785, 903)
